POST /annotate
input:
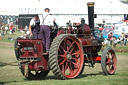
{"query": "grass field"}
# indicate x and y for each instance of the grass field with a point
(11, 75)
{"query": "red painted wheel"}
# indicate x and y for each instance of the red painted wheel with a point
(66, 56)
(108, 61)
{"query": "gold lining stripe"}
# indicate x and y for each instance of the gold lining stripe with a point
(90, 4)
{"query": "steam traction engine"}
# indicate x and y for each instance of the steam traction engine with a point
(68, 53)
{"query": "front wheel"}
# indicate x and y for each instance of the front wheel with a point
(108, 61)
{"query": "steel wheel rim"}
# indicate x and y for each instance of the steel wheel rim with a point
(70, 57)
(111, 61)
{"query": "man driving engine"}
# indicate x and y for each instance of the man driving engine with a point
(45, 23)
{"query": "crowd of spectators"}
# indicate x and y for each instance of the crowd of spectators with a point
(6, 29)
(122, 39)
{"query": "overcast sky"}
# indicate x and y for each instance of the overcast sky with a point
(64, 6)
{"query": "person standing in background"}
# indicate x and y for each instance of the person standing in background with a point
(11, 19)
(125, 39)
(6, 28)
(110, 36)
(122, 39)
(0, 24)
(11, 27)
(26, 29)
(8, 21)
(3, 29)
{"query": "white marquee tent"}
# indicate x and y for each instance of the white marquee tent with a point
(62, 6)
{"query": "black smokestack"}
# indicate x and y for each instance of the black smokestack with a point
(91, 16)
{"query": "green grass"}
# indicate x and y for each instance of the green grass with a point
(122, 53)
(118, 46)
(117, 53)
(5, 38)
(125, 47)
(11, 75)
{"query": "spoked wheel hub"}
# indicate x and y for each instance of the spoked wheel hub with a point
(109, 61)
(68, 56)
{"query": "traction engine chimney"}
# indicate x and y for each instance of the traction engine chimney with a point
(91, 16)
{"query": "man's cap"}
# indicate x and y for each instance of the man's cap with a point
(46, 9)
(36, 15)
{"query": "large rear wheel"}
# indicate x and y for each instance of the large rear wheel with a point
(66, 56)
(108, 61)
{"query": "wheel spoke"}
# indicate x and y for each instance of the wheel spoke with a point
(109, 68)
(70, 70)
(77, 65)
(70, 66)
(71, 51)
(60, 59)
(63, 70)
(112, 56)
(112, 67)
(108, 61)
(68, 48)
(66, 66)
(77, 53)
(62, 49)
(62, 62)
(62, 56)
(75, 59)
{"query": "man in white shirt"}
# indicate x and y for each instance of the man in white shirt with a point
(6, 28)
(34, 26)
(45, 23)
